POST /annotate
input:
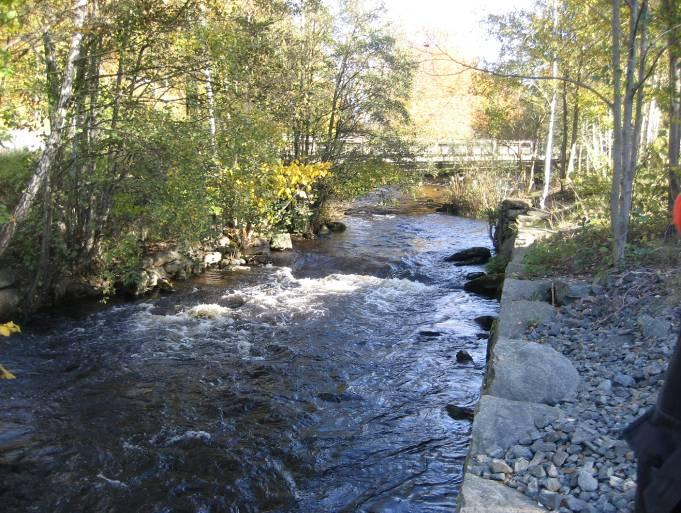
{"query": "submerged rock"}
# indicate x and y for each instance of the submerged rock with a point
(485, 321)
(336, 226)
(338, 397)
(470, 256)
(475, 275)
(463, 356)
(460, 412)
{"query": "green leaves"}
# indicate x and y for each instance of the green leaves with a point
(5, 215)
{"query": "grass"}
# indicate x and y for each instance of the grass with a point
(588, 251)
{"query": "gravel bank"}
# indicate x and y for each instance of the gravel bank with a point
(619, 335)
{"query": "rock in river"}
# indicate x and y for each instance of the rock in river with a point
(336, 226)
(485, 321)
(460, 412)
(281, 242)
(488, 285)
(470, 256)
(463, 357)
(474, 275)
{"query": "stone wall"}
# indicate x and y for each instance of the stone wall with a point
(525, 381)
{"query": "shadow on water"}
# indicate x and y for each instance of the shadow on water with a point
(320, 385)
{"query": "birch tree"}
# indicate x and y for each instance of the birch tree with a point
(57, 125)
(548, 154)
(627, 106)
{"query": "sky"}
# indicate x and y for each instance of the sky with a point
(458, 21)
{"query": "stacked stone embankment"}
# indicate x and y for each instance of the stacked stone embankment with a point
(570, 365)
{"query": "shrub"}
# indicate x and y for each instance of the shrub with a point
(476, 194)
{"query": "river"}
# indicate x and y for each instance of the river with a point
(317, 385)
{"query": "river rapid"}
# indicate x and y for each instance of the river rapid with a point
(316, 385)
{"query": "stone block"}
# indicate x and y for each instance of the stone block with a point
(526, 371)
(516, 317)
(480, 495)
(502, 422)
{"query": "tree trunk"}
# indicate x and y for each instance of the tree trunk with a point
(208, 74)
(575, 132)
(565, 135)
(627, 118)
(548, 154)
(674, 147)
(54, 140)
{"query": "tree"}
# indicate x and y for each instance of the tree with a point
(548, 154)
(672, 14)
(627, 113)
(58, 123)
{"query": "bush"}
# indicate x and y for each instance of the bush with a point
(476, 194)
(15, 170)
(497, 264)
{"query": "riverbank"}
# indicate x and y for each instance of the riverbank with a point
(146, 268)
(571, 363)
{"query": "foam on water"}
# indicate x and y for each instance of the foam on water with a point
(211, 311)
(285, 297)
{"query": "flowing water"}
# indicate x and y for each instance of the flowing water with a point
(316, 385)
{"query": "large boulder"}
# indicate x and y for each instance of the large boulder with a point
(281, 242)
(653, 327)
(470, 256)
(179, 268)
(527, 371)
(502, 423)
(567, 292)
(145, 281)
(488, 285)
(479, 495)
(161, 258)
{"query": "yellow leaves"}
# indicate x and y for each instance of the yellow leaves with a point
(269, 194)
(5, 374)
(292, 179)
(8, 328)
